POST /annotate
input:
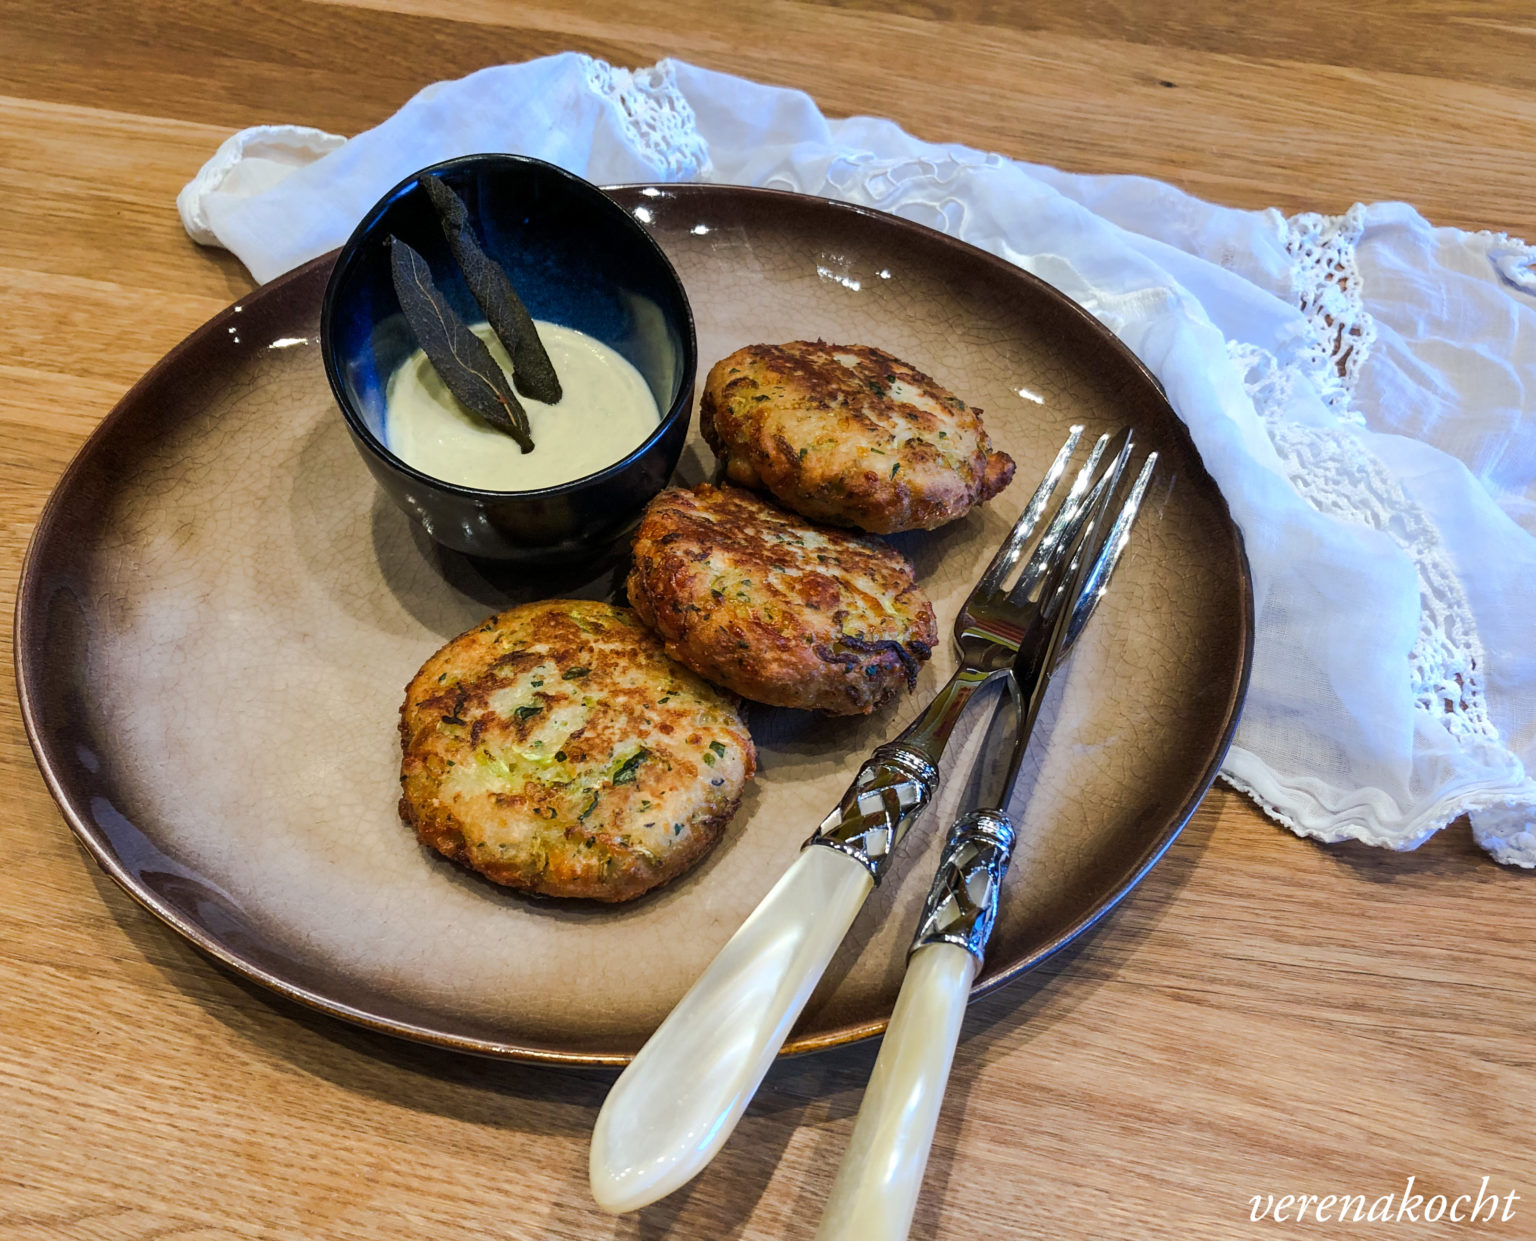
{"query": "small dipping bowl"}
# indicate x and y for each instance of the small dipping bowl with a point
(577, 259)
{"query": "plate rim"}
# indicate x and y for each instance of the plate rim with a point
(27, 674)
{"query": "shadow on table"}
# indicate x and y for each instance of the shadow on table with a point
(1450, 850)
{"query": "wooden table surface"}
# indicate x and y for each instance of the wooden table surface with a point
(1263, 1016)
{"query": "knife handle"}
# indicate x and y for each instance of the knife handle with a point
(673, 1108)
(877, 1185)
(876, 1189)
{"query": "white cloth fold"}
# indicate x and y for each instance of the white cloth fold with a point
(1361, 387)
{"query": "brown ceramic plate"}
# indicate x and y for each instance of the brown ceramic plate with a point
(220, 610)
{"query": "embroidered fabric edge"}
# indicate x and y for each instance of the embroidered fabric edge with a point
(1334, 472)
(1515, 847)
(654, 116)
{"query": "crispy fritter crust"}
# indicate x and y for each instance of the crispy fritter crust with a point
(849, 434)
(774, 608)
(557, 749)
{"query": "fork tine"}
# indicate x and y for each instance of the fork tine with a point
(1043, 556)
(1013, 546)
(1074, 548)
(1114, 543)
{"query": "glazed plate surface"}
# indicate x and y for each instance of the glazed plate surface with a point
(220, 611)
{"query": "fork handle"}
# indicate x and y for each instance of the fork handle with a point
(876, 1189)
(887, 795)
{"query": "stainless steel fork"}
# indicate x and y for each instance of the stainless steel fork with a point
(996, 618)
(875, 1192)
(676, 1104)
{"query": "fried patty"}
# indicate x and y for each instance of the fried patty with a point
(849, 434)
(777, 609)
(556, 748)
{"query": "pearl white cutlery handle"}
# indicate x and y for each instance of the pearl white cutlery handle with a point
(675, 1105)
(876, 1189)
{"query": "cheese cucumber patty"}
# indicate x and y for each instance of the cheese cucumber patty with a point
(775, 608)
(558, 749)
(849, 434)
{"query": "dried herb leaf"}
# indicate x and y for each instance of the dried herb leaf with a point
(456, 353)
(532, 371)
(626, 772)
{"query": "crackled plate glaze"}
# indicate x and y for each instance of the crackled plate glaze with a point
(220, 610)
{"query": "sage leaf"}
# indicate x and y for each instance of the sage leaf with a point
(456, 353)
(532, 371)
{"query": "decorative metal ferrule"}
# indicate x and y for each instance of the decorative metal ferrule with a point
(889, 792)
(962, 904)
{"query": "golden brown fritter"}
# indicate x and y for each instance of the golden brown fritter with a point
(850, 435)
(775, 608)
(556, 748)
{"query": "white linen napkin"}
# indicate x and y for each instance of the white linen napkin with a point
(1361, 387)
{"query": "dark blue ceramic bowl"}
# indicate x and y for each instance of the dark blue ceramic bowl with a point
(576, 258)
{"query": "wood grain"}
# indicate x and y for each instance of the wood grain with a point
(1263, 1016)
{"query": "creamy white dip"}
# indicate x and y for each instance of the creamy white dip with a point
(606, 410)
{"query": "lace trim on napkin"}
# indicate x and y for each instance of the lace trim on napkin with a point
(1335, 475)
(1326, 288)
(656, 119)
(1333, 471)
